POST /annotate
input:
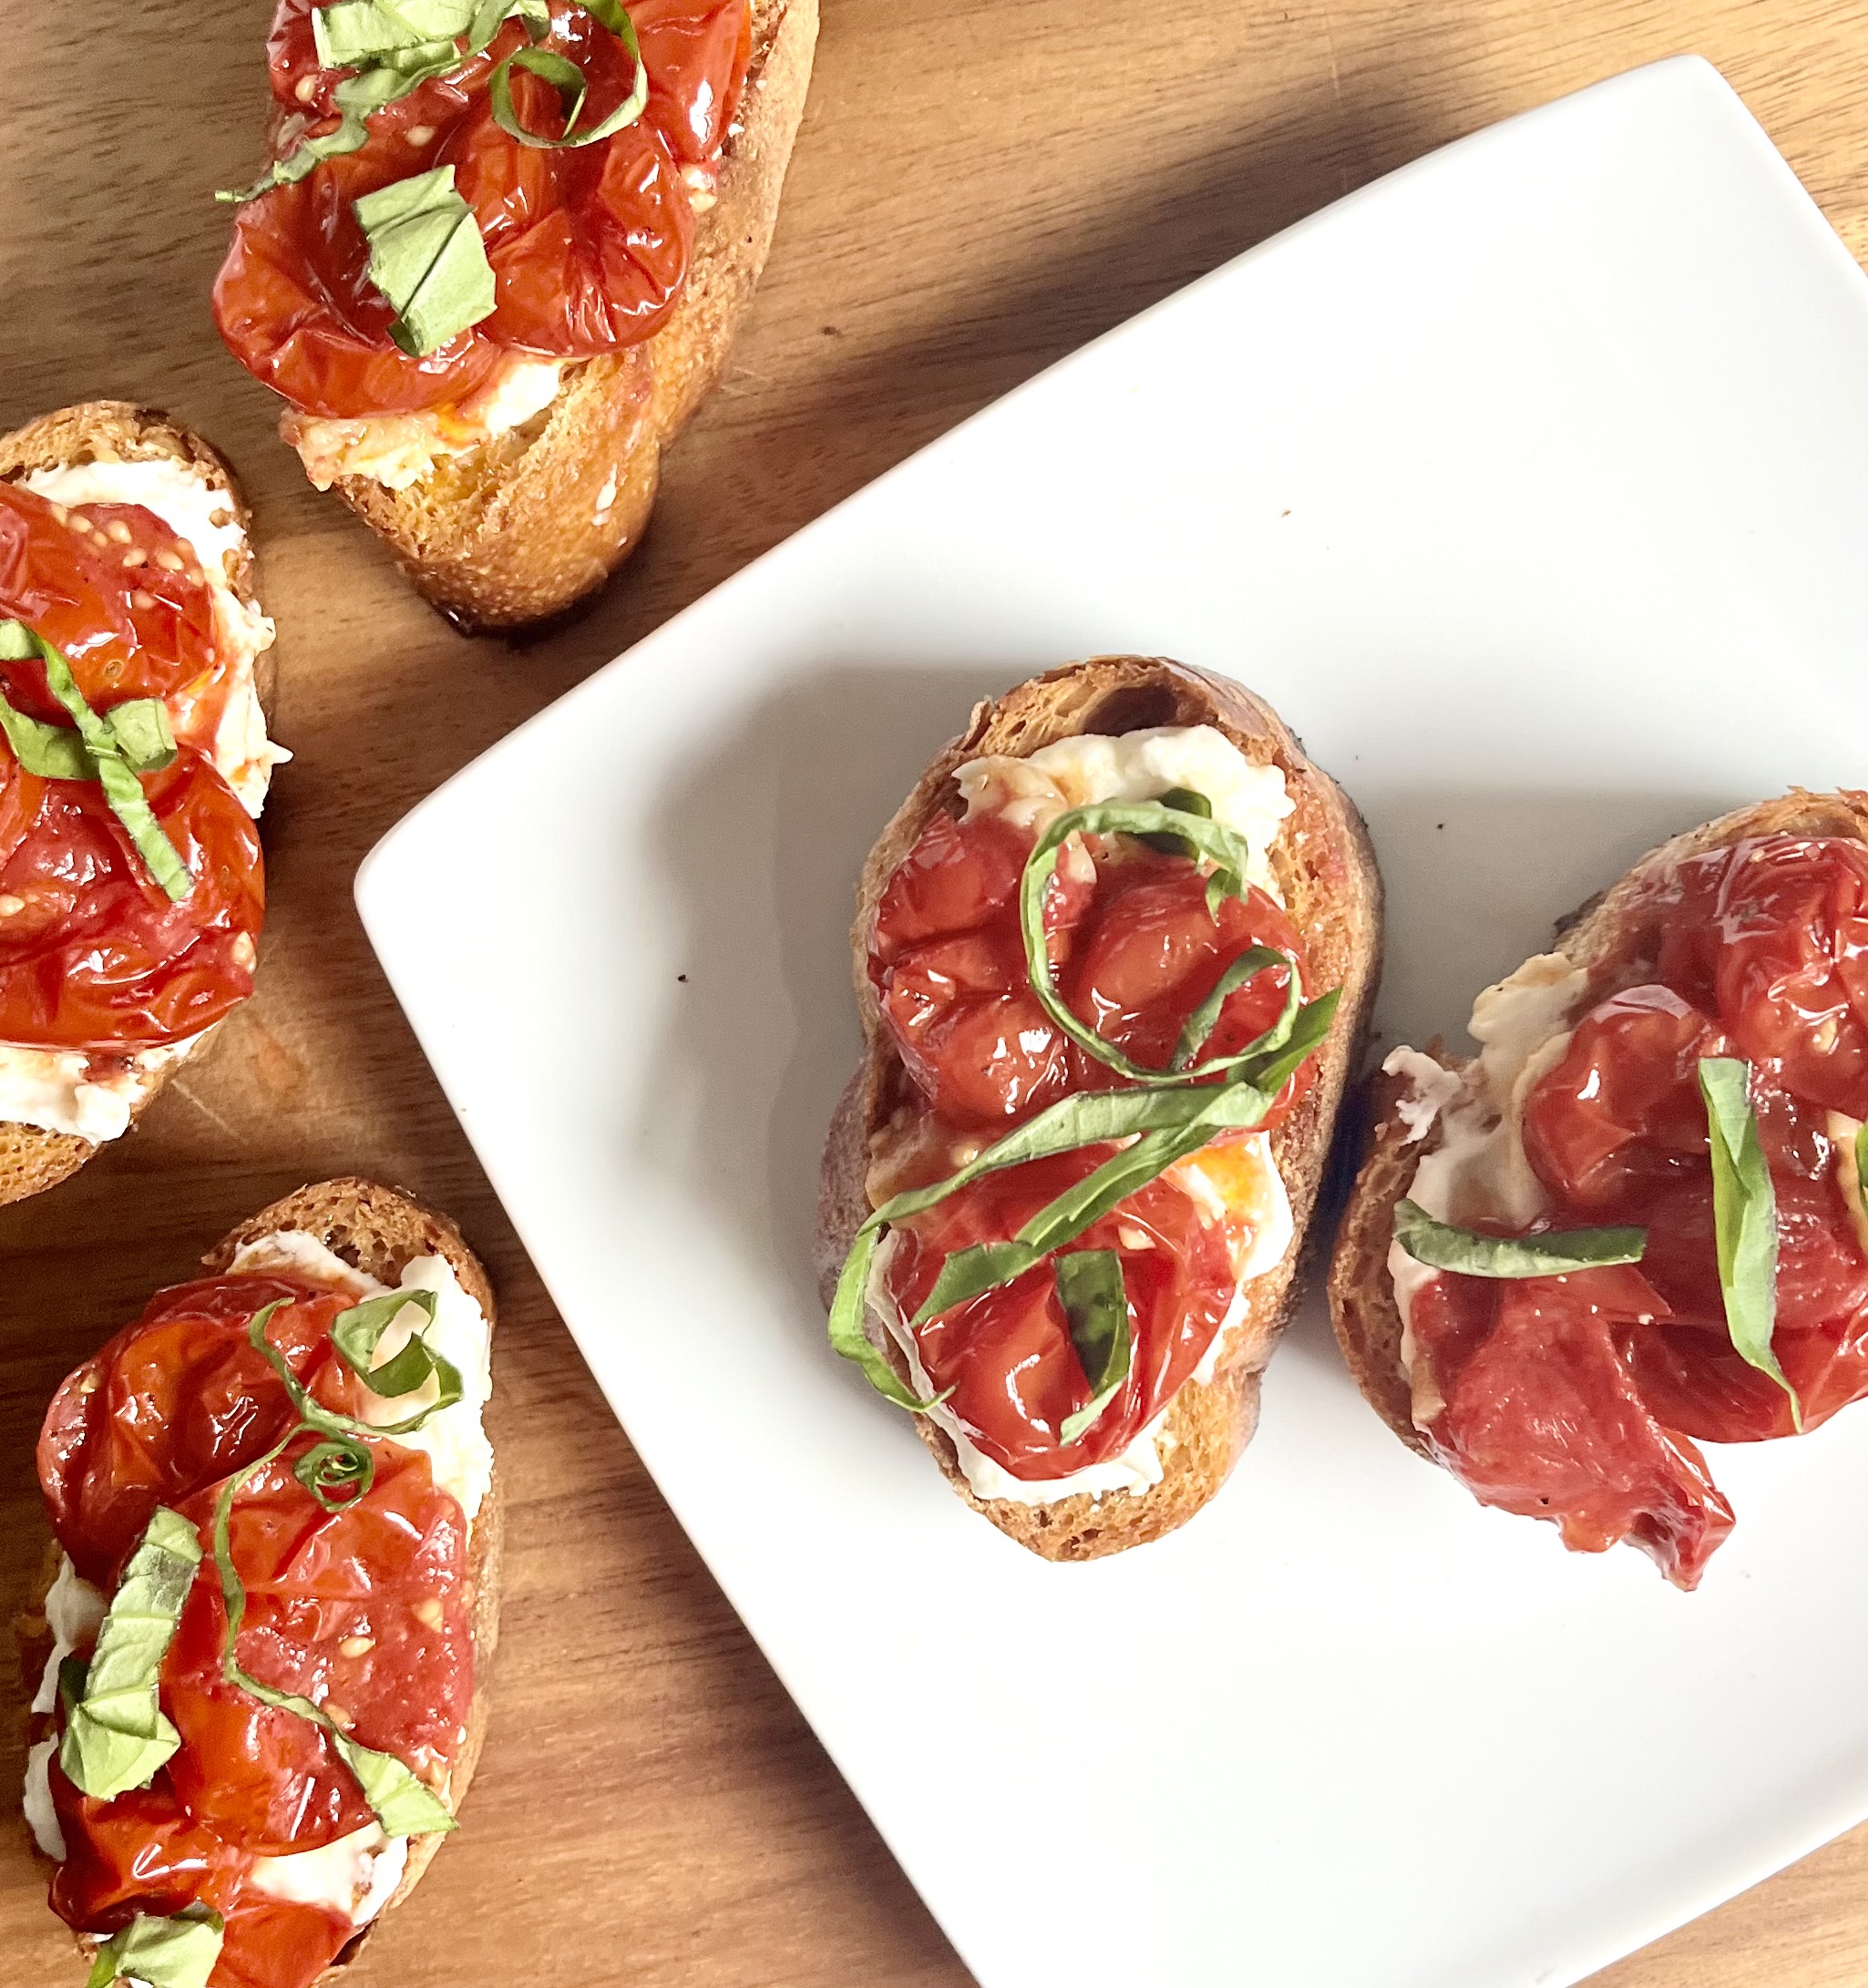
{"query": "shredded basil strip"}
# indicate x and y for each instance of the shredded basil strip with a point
(569, 81)
(115, 772)
(356, 1334)
(1205, 1018)
(1553, 1254)
(1230, 852)
(355, 33)
(847, 1336)
(1096, 1300)
(178, 1952)
(426, 258)
(314, 1414)
(1744, 1217)
(407, 60)
(141, 728)
(117, 1738)
(403, 1804)
(967, 1273)
(338, 1471)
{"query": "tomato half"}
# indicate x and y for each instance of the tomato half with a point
(1008, 1353)
(1133, 951)
(178, 1400)
(1543, 1417)
(331, 1615)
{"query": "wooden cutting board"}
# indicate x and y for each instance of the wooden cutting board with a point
(981, 186)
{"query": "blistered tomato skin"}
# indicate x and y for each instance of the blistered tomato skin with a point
(94, 954)
(590, 245)
(363, 1610)
(1587, 1411)
(319, 1586)
(1008, 1353)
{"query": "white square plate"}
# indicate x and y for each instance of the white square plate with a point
(1531, 485)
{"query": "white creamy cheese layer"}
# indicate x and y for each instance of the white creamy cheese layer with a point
(1238, 1182)
(1479, 1172)
(92, 1097)
(1137, 766)
(454, 1440)
(74, 1611)
(356, 1875)
(398, 450)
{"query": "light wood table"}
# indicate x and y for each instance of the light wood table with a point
(981, 186)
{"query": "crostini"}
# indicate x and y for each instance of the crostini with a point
(1634, 1222)
(276, 1593)
(1113, 955)
(134, 763)
(498, 256)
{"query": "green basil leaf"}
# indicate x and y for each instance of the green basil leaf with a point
(1553, 1254)
(568, 80)
(426, 258)
(1096, 1300)
(118, 1737)
(314, 1414)
(404, 1805)
(143, 734)
(355, 33)
(1230, 852)
(356, 1333)
(338, 1471)
(351, 135)
(178, 1952)
(1744, 1217)
(967, 1273)
(1205, 1018)
(1862, 1167)
(121, 787)
(846, 1335)
(47, 751)
(1182, 801)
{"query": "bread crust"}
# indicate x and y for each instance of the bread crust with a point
(1325, 866)
(1607, 938)
(378, 1230)
(526, 523)
(112, 431)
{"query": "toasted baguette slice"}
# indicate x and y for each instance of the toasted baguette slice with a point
(525, 525)
(379, 1231)
(110, 431)
(1326, 869)
(1597, 938)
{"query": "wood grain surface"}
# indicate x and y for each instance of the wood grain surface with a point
(981, 186)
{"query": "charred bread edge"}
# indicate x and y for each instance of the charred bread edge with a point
(1362, 1308)
(1326, 867)
(110, 431)
(378, 1230)
(518, 530)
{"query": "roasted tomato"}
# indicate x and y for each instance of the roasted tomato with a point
(93, 953)
(589, 245)
(331, 1615)
(1543, 1417)
(1575, 1398)
(1008, 1354)
(1133, 952)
